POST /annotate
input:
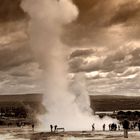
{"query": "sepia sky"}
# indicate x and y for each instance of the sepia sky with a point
(104, 42)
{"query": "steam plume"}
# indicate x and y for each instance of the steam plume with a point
(46, 26)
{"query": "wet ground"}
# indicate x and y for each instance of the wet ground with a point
(28, 134)
(98, 135)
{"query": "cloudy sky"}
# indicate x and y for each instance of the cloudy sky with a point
(104, 42)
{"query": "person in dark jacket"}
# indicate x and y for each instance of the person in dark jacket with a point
(93, 127)
(139, 125)
(125, 127)
(103, 127)
(51, 127)
(33, 126)
(55, 128)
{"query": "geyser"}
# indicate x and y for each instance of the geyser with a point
(64, 107)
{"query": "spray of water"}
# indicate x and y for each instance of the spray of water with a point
(69, 109)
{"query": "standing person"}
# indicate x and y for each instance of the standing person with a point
(51, 126)
(139, 125)
(125, 127)
(33, 126)
(93, 127)
(112, 127)
(115, 127)
(103, 127)
(55, 128)
(109, 127)
(119, 127)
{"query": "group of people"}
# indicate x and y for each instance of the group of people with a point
(112, 127)
(125, 124)
(55, 128)
(134, 125)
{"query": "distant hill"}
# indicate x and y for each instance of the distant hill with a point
(114, 102)
(32, 102)
(98, 102)
(21, 98)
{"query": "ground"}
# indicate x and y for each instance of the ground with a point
(28, 134)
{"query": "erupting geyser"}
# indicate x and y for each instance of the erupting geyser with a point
(46, 26)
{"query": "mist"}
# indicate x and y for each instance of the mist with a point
(66, 108)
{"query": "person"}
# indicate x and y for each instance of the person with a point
(119, 127)
(125, 127)
(139, 125)
(115, 127)
(55, 128)
(103, 127)
(33, 127)
(93, 127)
(109, 127)
(51, 126)
(132, 126)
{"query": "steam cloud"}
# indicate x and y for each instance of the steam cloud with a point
(65, 108)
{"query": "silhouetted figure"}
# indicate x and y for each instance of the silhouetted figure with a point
(135, 124)
(125, 127)
(103, 127)
(119, 127)
(8, 124)
(139, 125)
(51, 127)
(109, 127)
(112, 127)
(132, 126)
(33, 126)
(115, 127)
(55, 128)
(93, 127)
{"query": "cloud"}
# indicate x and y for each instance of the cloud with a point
(75, 65)
(116, 84)
(126, 13)
(107, 60)
(14, 54)
(101, 23)
(104, 40)
(24, 78)
(135, 61)
(81, 53)
(10, 10)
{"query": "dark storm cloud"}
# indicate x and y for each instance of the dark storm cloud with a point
(14, 54)
(76, 64)
(10, 10)
(105, 23)
(93, 12)
(116, 61)
(135, 61)
(97, 17)
(81, 65)
(126, 12)
(110, 24)
(93, 16)
(81, 53)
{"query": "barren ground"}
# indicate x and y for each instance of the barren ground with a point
(27, 134)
